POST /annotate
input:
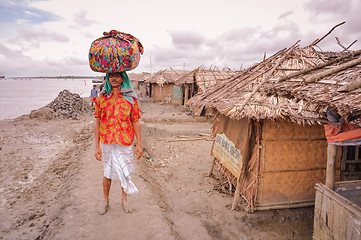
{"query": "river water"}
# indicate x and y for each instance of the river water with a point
(18, 96)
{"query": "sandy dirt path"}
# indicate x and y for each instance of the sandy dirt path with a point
(176, 199)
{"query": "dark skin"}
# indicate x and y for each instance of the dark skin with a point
(116, 81)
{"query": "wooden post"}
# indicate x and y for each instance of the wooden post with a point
(331, 166)
(186, 91)
(212, 166)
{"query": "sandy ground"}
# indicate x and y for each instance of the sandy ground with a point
(50, 185)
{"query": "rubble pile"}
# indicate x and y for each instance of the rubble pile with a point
(70, 105)
(44, 113)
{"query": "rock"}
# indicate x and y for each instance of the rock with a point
(70, 105)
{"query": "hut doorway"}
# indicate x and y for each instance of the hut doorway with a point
(186, 94)
(351, 163)
(149, 89)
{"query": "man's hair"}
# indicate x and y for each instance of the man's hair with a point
(94, 85)
(117, 73)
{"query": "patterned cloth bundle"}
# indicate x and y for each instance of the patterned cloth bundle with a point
(115, 52)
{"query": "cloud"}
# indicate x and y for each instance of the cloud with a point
(285, 15)
(329, 8)
(245, 46)
(234, 48)
(7, 53)
(331, 13)
(186, 39)
(32, 13)
(81, 19)
(39, 35)
(17, 63)
(22, 65)
(55, 35)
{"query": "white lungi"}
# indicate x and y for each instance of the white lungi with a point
(118, 164)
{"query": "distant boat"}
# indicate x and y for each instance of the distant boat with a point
(97, 81)
(2, 75)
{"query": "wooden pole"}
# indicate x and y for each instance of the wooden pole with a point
(186, 91)
(319, 40)
(331, 166)
(339, 43)
(212, 166)
(307, 70)
(318, 76)
(351, 44)
(265, 78)
(351, 86)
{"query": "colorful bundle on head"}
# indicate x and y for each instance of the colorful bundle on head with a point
(115, 52)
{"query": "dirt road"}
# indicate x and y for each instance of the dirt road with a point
(51, 187)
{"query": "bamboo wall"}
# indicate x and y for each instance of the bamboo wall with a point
(142, 89)
(293, 159)
(163, 92)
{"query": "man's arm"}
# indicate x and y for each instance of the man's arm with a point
(98, 151)
(138, 148)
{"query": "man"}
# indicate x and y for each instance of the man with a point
(117, 122)
(94, 94)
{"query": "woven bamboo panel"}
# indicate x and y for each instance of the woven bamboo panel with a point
(287, 130)
(294, 155)
(286, 187)
(317, 132)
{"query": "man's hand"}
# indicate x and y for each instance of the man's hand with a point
(98, 153)
(138, 151)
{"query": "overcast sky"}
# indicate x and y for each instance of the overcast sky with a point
(52, 37)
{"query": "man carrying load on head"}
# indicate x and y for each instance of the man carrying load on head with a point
(117, 122)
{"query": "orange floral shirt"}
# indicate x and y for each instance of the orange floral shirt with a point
(116, 117)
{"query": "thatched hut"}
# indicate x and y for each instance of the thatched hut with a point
(138, 81)
(200, 79)
(161, 84)
(335, 84)
(270, 141)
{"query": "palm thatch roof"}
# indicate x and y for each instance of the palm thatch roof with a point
(336, 83)
(295, 83)
(138, 77)
(165, 76)
(205, 78)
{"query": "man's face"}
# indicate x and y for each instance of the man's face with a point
(115, 80)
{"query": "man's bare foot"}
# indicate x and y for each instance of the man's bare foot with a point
(126, 207)
(103, 208)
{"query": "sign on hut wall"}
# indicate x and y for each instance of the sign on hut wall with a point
(226, 152)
